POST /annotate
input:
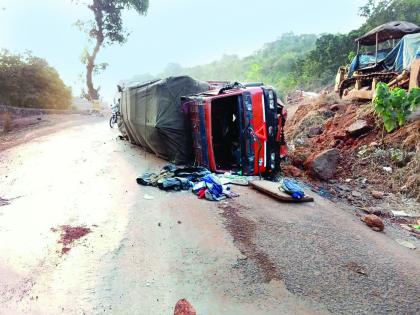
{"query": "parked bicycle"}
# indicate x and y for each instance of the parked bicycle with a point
(116, 116)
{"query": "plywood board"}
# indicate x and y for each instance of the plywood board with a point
(271, 189)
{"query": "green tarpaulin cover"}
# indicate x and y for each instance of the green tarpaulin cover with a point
(154, 119)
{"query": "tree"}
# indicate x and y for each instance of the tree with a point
(28, 81)
(105, 29)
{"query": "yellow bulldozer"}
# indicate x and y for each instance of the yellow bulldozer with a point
(389, 53)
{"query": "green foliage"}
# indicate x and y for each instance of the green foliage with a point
(319, 67)
(378, 12)
(271, 65)
(308, 62)
(394, 106)
(29, 81)
(351, 56)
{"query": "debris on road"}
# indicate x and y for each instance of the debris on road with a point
(374, 222)
(183, 307)
(210, 187)
(272, 189)
(355, 267)
(399, 213)
(203, 183)
(291, 188)
(172, 177)
(406, 244)
(148, 197)
(69, 234)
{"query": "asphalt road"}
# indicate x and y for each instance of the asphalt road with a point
(251, 255)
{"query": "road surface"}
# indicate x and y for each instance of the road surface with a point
(251, 255)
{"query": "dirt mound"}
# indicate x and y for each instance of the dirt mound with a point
(389, 162)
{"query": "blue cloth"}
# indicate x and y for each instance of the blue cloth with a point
(292, 188)
(214, 186)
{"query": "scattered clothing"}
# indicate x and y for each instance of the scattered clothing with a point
(203, 183)
(173, 178)
(230, 178)
(292, 188)
(211, 188)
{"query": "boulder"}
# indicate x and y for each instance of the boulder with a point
(377, 194)
(358, 128)
(356, 194)
(374, 222)
(340, 136)
(323, 165)
(315, 131)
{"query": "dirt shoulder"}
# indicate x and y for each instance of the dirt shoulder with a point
(24, 129)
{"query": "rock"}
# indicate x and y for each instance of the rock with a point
(344, 187)
(387, 169)
(334, 107)
(356, 194)
(353, 266)
(406, 227)
(376, 211)
(374, 144)
(396, 213)
(337, 107)
(183, 307)
(406, 244)
(315, 131)
(358, 128)
(340, 136)
(299, 156)
(374, 222)
(377, 194)
(292, 171)
(323, 165)
(338, 143)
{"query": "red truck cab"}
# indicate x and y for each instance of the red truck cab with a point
(238, 128)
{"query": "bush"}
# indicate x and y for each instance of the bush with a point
(394, 106)
(28, 81)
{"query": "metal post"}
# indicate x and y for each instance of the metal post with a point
(376, 51)
(358, 47)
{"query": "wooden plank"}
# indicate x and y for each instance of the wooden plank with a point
(271, 189)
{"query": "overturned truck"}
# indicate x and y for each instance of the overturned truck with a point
(389, 53)
(235, 128)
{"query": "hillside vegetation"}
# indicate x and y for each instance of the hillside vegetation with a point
(307, 62)
(28, 81)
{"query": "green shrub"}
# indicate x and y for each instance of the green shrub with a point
(394, 106)
(28, 81)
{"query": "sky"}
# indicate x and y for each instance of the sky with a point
(188, 32)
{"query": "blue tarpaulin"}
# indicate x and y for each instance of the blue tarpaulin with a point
(397, 60)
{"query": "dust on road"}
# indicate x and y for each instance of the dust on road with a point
(250, 256)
